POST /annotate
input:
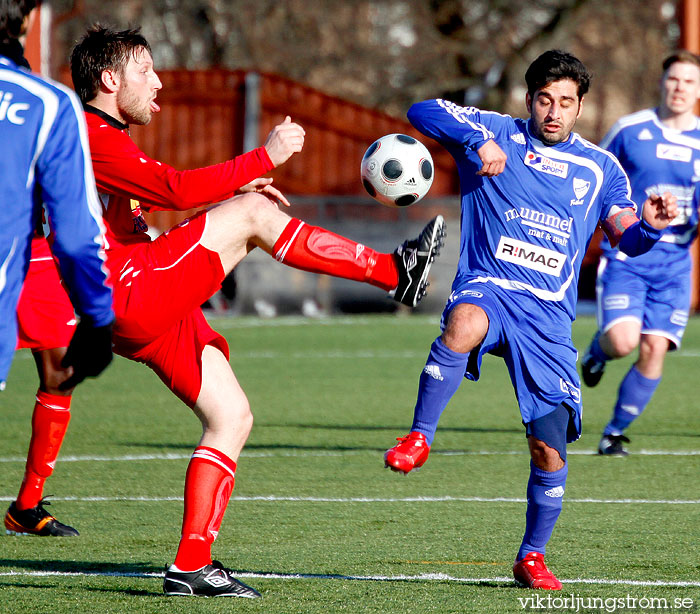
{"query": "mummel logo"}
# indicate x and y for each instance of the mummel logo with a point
(546, 165)
(10, 111)
(530, 256)
(541, 220)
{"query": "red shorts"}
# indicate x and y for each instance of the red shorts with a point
(45, 316)
(158, 289)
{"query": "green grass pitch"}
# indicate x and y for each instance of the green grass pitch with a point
(317, 524)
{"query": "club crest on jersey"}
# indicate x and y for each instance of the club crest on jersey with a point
(664, 151)
(581, 187)
(530, 256)
(546, 165)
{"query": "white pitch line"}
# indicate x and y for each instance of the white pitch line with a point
(429, 577)
(424, 499)
(339, 354)
(327, 453)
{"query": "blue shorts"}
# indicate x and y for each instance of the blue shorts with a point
(657, 300)
(540, 356)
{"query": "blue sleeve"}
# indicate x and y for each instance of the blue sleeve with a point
(67, 187)
(617, 192)
(454, 126)
(639, 238)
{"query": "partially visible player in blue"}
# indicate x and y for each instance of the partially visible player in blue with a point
(532, 193)
(644, 302)
(45, 158)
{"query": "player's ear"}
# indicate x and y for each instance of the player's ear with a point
(110, 80)
(28, 21)
(580, 108)
(528, 102)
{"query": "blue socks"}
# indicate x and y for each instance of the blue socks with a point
(633, 396)
(441, 376)
(545, 490)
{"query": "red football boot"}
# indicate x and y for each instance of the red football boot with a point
(530, 571)
(410, 453)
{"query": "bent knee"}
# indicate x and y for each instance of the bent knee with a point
(654, 346)
(543, 456)
(466, 328)
(255, 207)
(623, 344)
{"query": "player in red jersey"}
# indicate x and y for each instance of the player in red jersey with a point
(159, 285)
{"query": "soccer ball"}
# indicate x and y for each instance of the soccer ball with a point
(397, 170)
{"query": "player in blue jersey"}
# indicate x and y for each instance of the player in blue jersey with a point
(532, 193)
(46, 159)
(644, 302)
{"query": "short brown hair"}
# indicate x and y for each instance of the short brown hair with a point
(99, 50)
(682, 55)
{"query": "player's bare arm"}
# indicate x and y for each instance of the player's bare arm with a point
(284, 140)
(493, 159)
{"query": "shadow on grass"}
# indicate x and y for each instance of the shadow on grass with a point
(136, 570)
(393, 430)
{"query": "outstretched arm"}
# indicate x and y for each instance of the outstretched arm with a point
(122, 168)
(635, 236)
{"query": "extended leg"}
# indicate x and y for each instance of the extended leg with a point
(252, 220)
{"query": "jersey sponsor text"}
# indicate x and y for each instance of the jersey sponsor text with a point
(530, 256)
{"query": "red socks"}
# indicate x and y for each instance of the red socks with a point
(49, 424)
(318, 250)
(208, 486)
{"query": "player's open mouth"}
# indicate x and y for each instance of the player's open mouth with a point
(154, 106)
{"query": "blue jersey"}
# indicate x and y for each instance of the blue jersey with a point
(46, 158)
(527, 229)
(659, 159)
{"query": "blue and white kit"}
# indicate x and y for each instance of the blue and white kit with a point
(654, 288)
(46, 159)
(523, 236)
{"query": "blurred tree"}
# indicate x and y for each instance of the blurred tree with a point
(389, 53)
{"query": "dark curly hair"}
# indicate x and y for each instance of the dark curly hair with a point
(554, 65)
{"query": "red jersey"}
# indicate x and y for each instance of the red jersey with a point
(130, 182)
